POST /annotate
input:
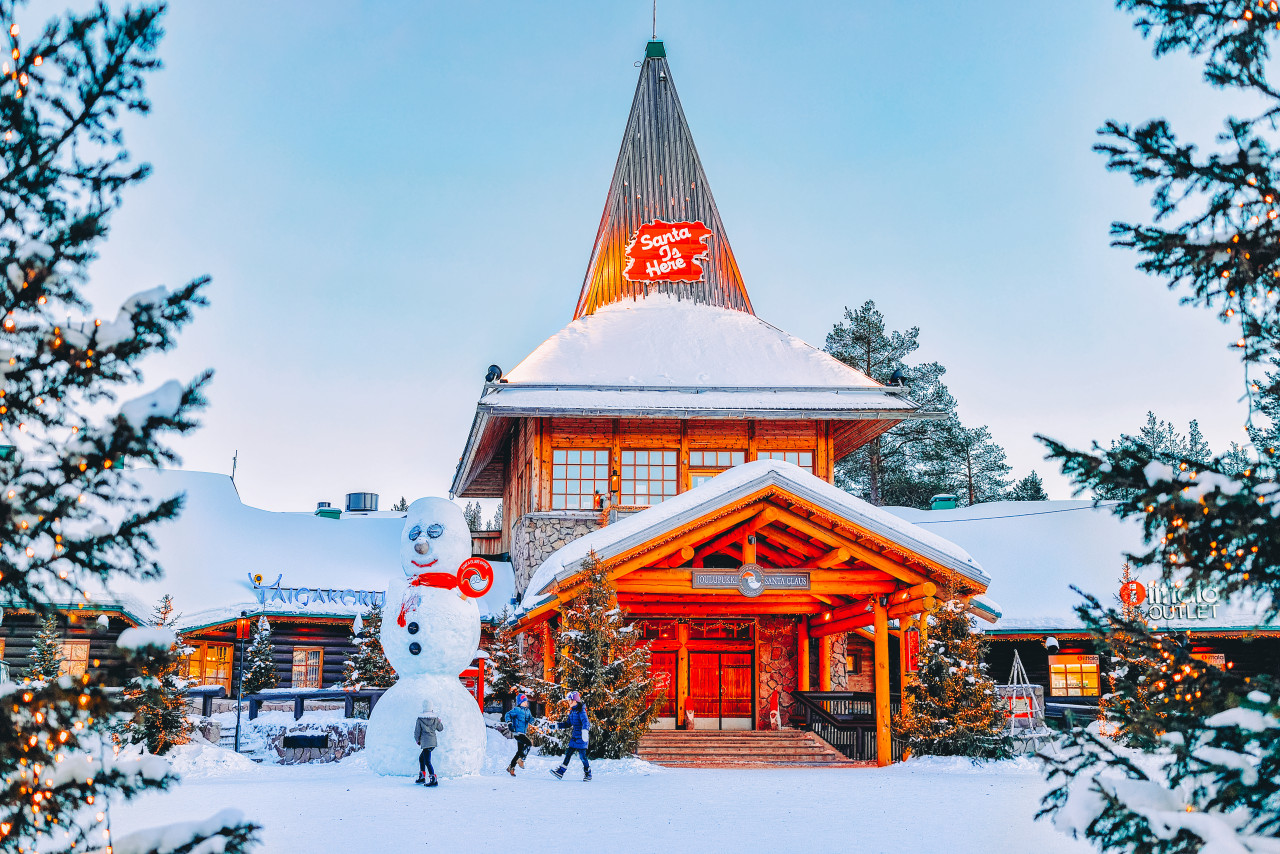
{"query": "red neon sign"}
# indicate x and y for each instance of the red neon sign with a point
(666, 252)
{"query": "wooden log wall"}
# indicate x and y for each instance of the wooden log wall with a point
(19, 629)
(333, 637)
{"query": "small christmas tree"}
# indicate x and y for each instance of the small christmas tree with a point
(510, 672)
(259, 660)
(368, 667)
(158, 693)
(1127, 712)
(604, 661)
(950, 706)
(46, 652)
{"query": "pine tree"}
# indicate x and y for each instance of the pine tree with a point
(472, 515)
(887, 469)
(71, 515)
(368, 667)
(1030, 488)
(495, 524)
(401, 506)
(46, 651)
(971, 460)
(510, 670)
(259, 660)
(158, 693)
(1204, 772)
(603, 659)
(950, 706)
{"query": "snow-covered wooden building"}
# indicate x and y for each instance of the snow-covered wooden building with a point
(691, 446)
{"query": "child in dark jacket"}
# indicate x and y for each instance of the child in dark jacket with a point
(424, 733)
(579, 727)
(518, 719)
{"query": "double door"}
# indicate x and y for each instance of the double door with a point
(719, 690)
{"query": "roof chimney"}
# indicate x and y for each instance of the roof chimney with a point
(362, 502)
(944, 502)
(326, 510)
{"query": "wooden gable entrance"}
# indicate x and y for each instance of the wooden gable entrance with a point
(819, 561)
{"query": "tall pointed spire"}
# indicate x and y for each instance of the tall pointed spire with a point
(661, 231)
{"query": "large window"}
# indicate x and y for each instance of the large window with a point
(578, 478)
(803, 459)
(308, 665)
(209, 664)
(704, 465)
(648, 477)
(75, 658)
(1073, 675)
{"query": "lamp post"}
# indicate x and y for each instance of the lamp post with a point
(242, 629)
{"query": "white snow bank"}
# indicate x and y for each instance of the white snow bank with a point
(147, 637)
(170, 837)
(202, 760)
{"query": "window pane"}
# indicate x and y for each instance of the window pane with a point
(628, 456)
(558, 456)
(737, 458)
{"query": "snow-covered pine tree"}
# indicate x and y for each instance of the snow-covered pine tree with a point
(603, 659)
(495, 524)
(158, 693)
(472, 514)
(70, 514)
(46, 651)
(970, 461)
(259, 660)
(1030, 488)
(510, 671)
(401, 506)
(950, 706)
(368, 667)
(1212, 778)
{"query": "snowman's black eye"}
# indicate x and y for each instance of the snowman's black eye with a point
(435, 531)
(415, 532)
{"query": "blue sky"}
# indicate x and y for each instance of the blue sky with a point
(392, 196)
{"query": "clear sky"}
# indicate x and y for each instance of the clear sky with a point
(391, 196)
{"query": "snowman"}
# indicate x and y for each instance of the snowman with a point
(430, 632)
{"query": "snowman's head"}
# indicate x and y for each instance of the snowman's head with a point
(435, 538)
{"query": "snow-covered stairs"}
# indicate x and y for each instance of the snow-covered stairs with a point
(740, 748)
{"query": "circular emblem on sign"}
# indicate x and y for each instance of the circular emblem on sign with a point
(1133, 593)
(413, 628)
(751, 580)
(415, 648)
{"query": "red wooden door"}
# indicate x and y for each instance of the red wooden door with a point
(735, 685)
(704, 685)
(662, 667)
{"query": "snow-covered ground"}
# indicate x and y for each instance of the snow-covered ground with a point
(920, 805)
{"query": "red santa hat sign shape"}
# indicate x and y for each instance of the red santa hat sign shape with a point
(430, 633)
(666, 252)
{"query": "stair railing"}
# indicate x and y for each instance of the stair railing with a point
(846, 720)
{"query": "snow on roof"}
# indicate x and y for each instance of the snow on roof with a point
(1035, 551)
(729, 486)
(660, 340)
(214, 547)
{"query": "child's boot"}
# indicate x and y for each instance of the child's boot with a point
(559, 772)
(586, 775)
(434, 781)
(511, 769)
(422, 778)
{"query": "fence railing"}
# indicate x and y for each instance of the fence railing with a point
(206, 694)
(301, 695)
(846, 720)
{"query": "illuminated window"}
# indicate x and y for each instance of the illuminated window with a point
(853, 663)
(75, 658)
(803, 459)
(648, 477)
(1073, 675)
(578, 478)
(704, 465)
(208, 664)
(308, 662)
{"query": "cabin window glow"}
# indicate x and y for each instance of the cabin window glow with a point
(704, 465)
(648, 477)
(308, 666)
(208, 664)
(578, 478)
(803, 459)
(1073, 675)
(75, 658)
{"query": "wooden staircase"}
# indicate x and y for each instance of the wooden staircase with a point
(740, 749)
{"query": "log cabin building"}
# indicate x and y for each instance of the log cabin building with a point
(691, 446)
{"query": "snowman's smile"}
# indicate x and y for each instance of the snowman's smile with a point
(431, 562)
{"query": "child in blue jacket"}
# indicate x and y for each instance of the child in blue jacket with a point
(518, 719)
(580, 728)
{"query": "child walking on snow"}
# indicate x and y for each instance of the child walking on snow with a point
(579, 726)
(518, 719)
(424, 733)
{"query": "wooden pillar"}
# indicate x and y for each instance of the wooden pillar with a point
(682, 459)
(884, 747)
(904, 626)
(802, 654)
(824, 663)
(682, 672)
(749, 549)
(548, 653)
(751, 441)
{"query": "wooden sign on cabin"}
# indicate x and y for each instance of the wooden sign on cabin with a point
(666, 252)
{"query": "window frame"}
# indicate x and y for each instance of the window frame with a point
(1080, 666)
(306, 667)
(780, 454)
(561, 464)
(200, 653)
(668, 461)
(703, 469)
(65, 665)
